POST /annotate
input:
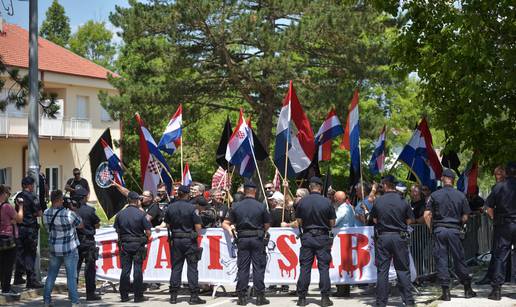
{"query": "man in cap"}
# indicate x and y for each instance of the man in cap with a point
(316, 217)
(184, 226)
(391, 215)
(446, 211)
(134, 230)
(501, 207)
(252, 220)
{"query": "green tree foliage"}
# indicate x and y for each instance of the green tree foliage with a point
(93, 41)
(217, 56)
(56, 26)
(463, 51)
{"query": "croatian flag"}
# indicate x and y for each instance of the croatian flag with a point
(247, 167)
(330, 129)
(377, 163)
(351, 138)
(114, 163)
(467, 182)
(293, 130)
(187, 177)
(153, 166)
(239, 149)
(171, 138)
(421, 158)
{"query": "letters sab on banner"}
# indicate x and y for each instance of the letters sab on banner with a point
(352, 254)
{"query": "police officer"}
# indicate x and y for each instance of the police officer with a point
(133, 231)
(316, 217)
(501, 205)
(252, 221)
(391, 215)
(446, 211)
(184, 226)
(88, 252)
(28, 231)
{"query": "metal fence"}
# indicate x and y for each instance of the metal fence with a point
(477, 241)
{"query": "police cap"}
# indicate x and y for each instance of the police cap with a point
(448, 173)
(27, 180)
(249, 185)
(201, 201)
(389, 179)
(133, 196)
(184, 189)
(317, 180)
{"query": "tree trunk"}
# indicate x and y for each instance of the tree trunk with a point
(264, 132)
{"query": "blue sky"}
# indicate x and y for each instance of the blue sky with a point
(79, 11)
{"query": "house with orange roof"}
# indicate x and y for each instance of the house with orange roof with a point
(66, 140)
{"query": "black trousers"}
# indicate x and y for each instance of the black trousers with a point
(19, 267)
(392, 247)
(314, 246)
(132, 256)
(7, 259)
(28, 249)
(183, 249)
(251, 250)
(506, 236)
(85, 251)
(447, 240)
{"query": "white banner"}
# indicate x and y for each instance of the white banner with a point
(352, 254)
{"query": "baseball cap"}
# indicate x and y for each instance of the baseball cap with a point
(317, 180)
(449, 173)
(133, 195)
(277, 196)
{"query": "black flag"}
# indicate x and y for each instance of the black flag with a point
(223, 144)
(259, 151)
(312, 171)
(451, 160)
(110, 198)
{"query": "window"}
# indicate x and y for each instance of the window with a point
(5, 176)
(81, 110)
(104, 115)
(52, 174)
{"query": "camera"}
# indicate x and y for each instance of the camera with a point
(70, 203)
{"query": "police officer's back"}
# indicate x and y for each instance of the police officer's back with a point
(184, 226)
(252, 220)
(446, 211)
(391, 215)
(501, 205)
(133, 231)
(88, 252)
(316, 217)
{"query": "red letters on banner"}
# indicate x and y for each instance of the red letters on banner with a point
(346, 253)
(288, 253)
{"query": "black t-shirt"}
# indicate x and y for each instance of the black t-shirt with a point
(89, 219)
(249, 214)
(155, 213)
(131, 222)
(276, 215)
(78, 184)
(222, 211)
(391, 212)
(30, 208)
(316, 212)
(451, 205)
(503, 198)
(476, 203)
(418, 208)
(181, 216)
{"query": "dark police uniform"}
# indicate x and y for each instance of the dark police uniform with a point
(391, 213)
(28, 236)
(130, 224)
(181, 218)
(315, 211)
(448, 205)
(88, 252)
(503, 200)
(249, 217)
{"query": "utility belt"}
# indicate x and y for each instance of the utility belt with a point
(129, 239)
(85, 238)
(250, 233)
(446, 225)
(317, 232)
(405, 235)
(183, 235)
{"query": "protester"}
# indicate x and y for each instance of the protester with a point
(499, 173)
(363, 207)
(76, 182)
(8, 234)
(206, 212)
(217, 202)
(152, 208)
(417, 203)
(63, 242)
(278, 214)
(344, 211)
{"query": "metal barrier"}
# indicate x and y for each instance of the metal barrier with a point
(477, 241)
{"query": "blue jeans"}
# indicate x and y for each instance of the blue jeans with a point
(70, 262)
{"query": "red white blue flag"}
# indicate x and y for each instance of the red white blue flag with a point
(239, 146)
(171, 138)
(377, 163)
(293, 130)
(113, 162)
(351, 138)
(467, 182)
(330, 129)
(187, 177)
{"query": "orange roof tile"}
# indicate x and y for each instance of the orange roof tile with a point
(14, 50)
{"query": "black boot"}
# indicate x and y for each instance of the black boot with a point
(343, 291)
(93, 297)
(261, 300)
(468, 292)
(446, 294)
(325, 301)
(242, 299)
(301, 301)
(173, 298)
(196, 300)
(496, 293)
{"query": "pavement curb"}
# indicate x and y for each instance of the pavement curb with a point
(26, 294)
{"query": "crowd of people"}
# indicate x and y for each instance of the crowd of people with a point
(388, 206)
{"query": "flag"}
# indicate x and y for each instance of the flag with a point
(248, 166)
(451, 160)
(421, 158)
(221, 180)
(260, 153)
(110, 199)
(467, 182)
(377, 163)
(293, 130)
(187, 177)
(239, 150)
(171, 138)
(113, 162)
(223, 143)
(276, 181)
(153, 166)
(351, 137)
(330, 129)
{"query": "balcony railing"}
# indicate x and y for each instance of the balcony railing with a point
(16, 125)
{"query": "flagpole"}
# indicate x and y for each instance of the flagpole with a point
(285, 188)
(130, 176)
(361, 175)
(281, 177)
(259, 176)
(181, 150)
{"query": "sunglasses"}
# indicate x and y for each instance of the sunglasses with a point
(76, 174)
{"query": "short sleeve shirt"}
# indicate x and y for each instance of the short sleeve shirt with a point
(131, 222)
(78, 184)
(62, 236)
(316, 212)
(30, 208)
(154, 212)
(7, 214)
(360, 211)
(391, 212)
(503, 198)
(181, 216)
(249, 214)
(89, 219)
(450, 203)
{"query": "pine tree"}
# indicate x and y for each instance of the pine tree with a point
(56, 26)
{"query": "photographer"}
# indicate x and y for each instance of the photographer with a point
(88, 252)
(63, 243)
(207, 214)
